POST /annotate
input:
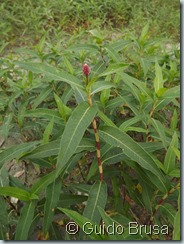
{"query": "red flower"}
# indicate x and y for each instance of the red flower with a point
(86, 70)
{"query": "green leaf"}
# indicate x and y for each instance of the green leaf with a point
(177, 152)
(168, 210)
(105, 95)
(113, 68)
(158, 81)
(6, 126)
(175, 173)
(100, 86)
(110, 225)
(160, 130)
(4, 177)
(130, 122)
(80, 95)
(52, 198)
(112, 53)
(171, 93)
(45, 113)
(63, 109)
(141, 85)
(177, 222)
(87, 47)
(52, 148)
(3, 212)
(48, 131)
(73, 133)
(96, 33)
(43, 183)
(144, 33)
(51, 72)
(81, 221)
(15, 151)
(68, 65)
(147, 195)
(17, 193)
(97, 197)
(174, 120)
(120, 44)
(97, 69)
(25, 220)
(132, 149)
(170, 157)
(67, 200)
(42, 96)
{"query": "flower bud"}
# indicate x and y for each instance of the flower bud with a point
(86, 70)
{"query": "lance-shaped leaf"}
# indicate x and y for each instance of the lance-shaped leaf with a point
(80, 95)
(45, 113)
(52, 198)
(15, 151)
(73, 133)
(160, 129)
(170, 157)
(17, 193)
(82, 222)
(111, 225)
(158, 81)
(132, 149)
(177, 222)
(52, 148)
(43, 183)
(87, 47)
(25, 220)
(100, 86)
(97, 197)
(51, 72)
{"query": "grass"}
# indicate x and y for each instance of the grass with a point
(23, 23)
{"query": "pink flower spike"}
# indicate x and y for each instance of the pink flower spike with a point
(86, 70)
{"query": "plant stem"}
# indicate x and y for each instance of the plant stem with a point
(96, 135)
(162, 200)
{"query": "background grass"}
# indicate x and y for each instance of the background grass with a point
(24, 22)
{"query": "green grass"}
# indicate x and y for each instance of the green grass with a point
(23, 23)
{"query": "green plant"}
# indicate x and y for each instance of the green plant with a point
(132, 96)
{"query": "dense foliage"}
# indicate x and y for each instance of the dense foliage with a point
(49, 173)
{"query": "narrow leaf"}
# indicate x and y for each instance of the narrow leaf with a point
(158, 81)
(86, 47)
(52, 148)
(160, 130)
(52, 198)
(132, 149)
(170, 157)
(82, 222)
(43, 183)
(100, 86)
(97, 197)
(15, 192)
(110, 224)
(51, 72)
(42, 96)
(73, 133)
(45, 113)
(177, 222)
(48, 131)
(15, 151)
(25, 220)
